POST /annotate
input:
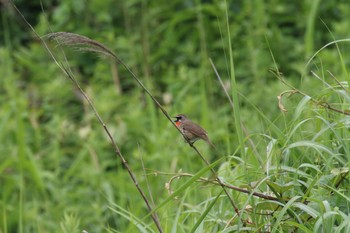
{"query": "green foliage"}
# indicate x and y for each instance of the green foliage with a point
(59, 173)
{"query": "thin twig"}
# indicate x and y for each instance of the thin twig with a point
(339, 83)
(206, 180)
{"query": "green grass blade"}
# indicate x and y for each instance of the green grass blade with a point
(282, 213)
(205, 213)
(234, 88)
(310, 28)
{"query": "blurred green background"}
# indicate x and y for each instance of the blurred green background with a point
(58, 170)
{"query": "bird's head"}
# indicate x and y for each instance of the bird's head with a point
(179, 118)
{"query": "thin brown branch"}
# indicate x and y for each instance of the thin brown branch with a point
(329, 107)
(339, 83)
(206, 180)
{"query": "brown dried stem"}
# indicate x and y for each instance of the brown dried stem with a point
(206, 180)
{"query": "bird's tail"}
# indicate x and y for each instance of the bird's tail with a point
(210, 143)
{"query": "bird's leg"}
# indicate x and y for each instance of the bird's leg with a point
(187, 140)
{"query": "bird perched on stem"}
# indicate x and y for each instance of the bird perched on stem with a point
(191, 130)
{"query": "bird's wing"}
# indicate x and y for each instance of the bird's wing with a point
(196, 130)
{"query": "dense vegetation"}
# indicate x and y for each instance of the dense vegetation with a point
(285, 160)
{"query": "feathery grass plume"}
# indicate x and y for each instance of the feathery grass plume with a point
(80, 42)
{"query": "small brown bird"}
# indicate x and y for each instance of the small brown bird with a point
(191, 130)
